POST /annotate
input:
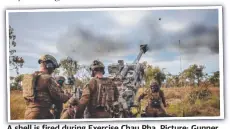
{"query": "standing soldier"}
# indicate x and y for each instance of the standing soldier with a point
(40, 90)
(156, 103)
(99, 95)
(58, 106)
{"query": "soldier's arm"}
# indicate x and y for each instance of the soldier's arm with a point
(56, 92)
(141, 97)
(83, 102)
(163, 98)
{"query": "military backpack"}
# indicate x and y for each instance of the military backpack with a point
(29, 83)
(105, 94)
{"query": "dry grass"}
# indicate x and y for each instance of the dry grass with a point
(177, 98)
(179, 101)
(17, 105)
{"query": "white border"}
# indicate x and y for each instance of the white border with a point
(220, 20)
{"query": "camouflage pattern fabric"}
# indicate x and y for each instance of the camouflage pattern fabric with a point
(151, 111)
(93, 98)
(68, 113)
(71, 110)
(47, 92)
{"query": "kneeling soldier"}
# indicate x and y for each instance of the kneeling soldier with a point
(156, 103)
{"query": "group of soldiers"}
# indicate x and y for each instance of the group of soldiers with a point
(98, 100)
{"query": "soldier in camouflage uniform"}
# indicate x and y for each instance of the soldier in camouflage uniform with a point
(156, 103)
(58, 106)
(40, 90)
(99, 95)
(71, 110)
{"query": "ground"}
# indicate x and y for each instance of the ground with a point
(183, 101)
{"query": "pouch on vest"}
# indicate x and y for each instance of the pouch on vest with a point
(155, 100)
(156, 103)
(105, 92)
(29, 86)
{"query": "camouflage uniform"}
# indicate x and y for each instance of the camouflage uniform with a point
(156, 102)
(71, 110)
(46, 91)
(58, 106)
(98, 96)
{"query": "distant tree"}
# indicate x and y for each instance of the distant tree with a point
(69, 66)
(194, 74)
(19, 78)
(84, 74)
(154, 73)
(14, 61)
(215, 79)
(172, 80)
(169, 80)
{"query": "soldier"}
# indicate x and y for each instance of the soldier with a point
(71, 110)
(40, 90)
(99, 95)
(58, 106)
(156, 104)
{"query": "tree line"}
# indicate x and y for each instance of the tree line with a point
(194, 75)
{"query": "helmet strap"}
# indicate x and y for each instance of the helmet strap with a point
(97, 73)
(48, 66)
(94, 72)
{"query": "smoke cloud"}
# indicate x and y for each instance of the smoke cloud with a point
(195, 38)
(83, 43)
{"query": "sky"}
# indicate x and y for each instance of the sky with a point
(116, 35)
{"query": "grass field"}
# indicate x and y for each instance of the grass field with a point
(184, 101)
(188, 101)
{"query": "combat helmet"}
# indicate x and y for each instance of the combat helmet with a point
(97, 65)
(50, 59)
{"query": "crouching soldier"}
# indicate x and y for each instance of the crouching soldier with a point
(71, 110)
(156, 103)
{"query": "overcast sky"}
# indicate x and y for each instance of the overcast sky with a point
(113, 35)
